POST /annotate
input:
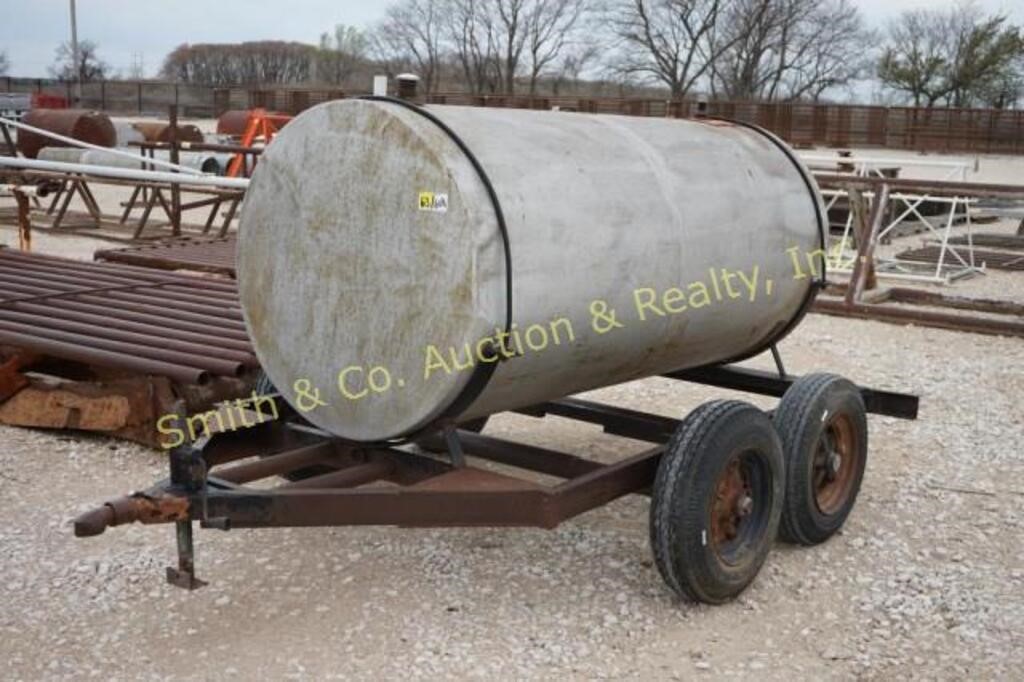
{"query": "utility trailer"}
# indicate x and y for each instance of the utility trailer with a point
(723, 482)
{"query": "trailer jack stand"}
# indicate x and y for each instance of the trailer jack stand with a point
(185, 574)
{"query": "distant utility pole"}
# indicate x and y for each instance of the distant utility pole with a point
(74, 54)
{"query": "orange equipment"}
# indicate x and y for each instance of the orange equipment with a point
(261, 126)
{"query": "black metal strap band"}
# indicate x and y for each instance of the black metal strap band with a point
(483, 371)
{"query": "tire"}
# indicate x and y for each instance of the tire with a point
(716, 501)
(823, 426)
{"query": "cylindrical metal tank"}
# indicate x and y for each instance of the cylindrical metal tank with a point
(87, 126)
(400, 267)
(234, 121)
(160, 131)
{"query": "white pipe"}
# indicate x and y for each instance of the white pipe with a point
(10, 190)
(78, 143)
(125, 173)
(881, 161)
(213, 163)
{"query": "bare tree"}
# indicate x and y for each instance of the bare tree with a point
(507, 21)
(551, 29)
(828, 50)
(411, 36)
(789, 49)
(5, 64)
(668, 41)
(491, 43)
(744, 69)
(953, 57)
(340, 53)
(577, 61)
(488, 38)
(471, 35)
(89, 68)
(495, 42)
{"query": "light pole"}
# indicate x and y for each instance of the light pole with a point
(75, 56)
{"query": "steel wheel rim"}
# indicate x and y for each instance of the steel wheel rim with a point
(835, 464)
(738, 513)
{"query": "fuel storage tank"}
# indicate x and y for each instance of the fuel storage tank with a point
(401, 267)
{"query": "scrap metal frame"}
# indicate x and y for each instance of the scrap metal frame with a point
(842, 259)
(358, 484)
(912, 193)
(73, 179)
(145, 194)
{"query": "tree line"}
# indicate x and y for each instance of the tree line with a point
(768, 50)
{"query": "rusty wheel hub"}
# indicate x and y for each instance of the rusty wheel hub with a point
(733, 503)
(835, 464)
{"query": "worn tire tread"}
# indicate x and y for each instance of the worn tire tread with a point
(681, 452)
(790, 421)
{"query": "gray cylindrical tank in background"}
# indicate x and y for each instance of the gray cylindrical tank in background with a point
(369, 237)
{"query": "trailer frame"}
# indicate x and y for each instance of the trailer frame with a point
(429, 485)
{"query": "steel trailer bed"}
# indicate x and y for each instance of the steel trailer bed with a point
(330, 482)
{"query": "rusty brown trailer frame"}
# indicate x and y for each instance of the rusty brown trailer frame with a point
(187, 328)
(353, 484)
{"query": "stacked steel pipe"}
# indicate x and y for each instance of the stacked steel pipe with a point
(183, 327)
(215, 255)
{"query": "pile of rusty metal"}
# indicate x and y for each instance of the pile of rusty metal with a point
(214, 255)
(987, 258)
(863, 298)
(110, 347)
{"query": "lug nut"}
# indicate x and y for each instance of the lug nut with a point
(745, 505)
(835, 462)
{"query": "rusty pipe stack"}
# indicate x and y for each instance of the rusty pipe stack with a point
(183, 327)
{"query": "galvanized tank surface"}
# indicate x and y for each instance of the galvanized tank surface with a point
(374, 231)
(87, 126)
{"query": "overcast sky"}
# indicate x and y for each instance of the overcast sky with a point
(129, 30)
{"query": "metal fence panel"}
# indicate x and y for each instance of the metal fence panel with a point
(802, 124)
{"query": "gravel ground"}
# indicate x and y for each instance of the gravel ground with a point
(925, 581)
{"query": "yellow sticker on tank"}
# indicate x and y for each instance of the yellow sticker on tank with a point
(435, 202)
